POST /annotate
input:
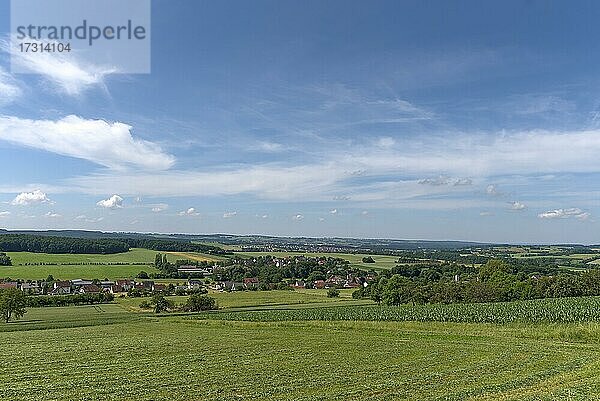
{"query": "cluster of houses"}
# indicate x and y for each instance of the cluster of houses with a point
(81, 286)
(334, 282)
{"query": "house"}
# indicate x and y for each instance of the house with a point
(250, 283)
(115, 289)
(8, 285)
(148, 285)
(299, 284)
(229, 286)
(79, 282)
(106, 285)
(90, 289)
(32, 288)
(194, 285)
(60, 288)
(126, 285)
(319, 284)
(159, 287)
(191, 269)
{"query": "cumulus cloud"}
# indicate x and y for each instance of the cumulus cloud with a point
(109, 144)
(30, 198)
(333, 211)
(4, 214)
(516, 205)
(565, 214)
(52, 215)
(114, 202)
(229, 215)
(189, 212)
(298, 217)
(492, 190)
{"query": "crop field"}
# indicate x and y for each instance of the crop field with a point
(177, 358)
(561, 310)
(381, 261)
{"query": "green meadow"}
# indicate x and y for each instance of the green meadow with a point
(34, 266)
(355, 259)
(108, 353)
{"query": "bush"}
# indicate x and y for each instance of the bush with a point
(333, 293)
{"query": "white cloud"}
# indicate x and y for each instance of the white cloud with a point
(189, 212)
(486, 213)
(101, 142)
(52, 215)
(9, 89)
(229, 215)
(565, 214)
(159, 207)
(334, 211)
(30, 198)
(89, 219)
(321, 218)
(516, 205)
(4, 214)
(269, 147)
(298, 217)
(67, 73)
(114, 202)
(491, 190)
(364, 212)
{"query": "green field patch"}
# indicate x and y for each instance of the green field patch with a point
(355, 259)
(181, 359)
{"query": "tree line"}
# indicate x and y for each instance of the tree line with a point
(41, 244)
(496, 281)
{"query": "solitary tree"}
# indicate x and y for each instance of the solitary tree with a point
(12, 304)
(161, 304)
(198, 302)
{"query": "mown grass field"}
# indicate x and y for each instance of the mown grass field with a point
(381, 261)
(177, 358)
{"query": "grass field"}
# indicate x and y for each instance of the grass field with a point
(33, 266)
(177, 358)
(262, 299)
(381, 261)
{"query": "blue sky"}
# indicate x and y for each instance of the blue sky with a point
(433, 120)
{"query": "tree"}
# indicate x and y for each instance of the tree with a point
(142, 275)
(161, 304)
(12, 304)
(333, 293)
(368, 259)
(5, 259)
(198, 302)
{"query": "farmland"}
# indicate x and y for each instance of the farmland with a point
(35, 266)
(178, 358)
(355, 259)
(265, 299)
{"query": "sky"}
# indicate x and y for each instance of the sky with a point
(403, 119)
